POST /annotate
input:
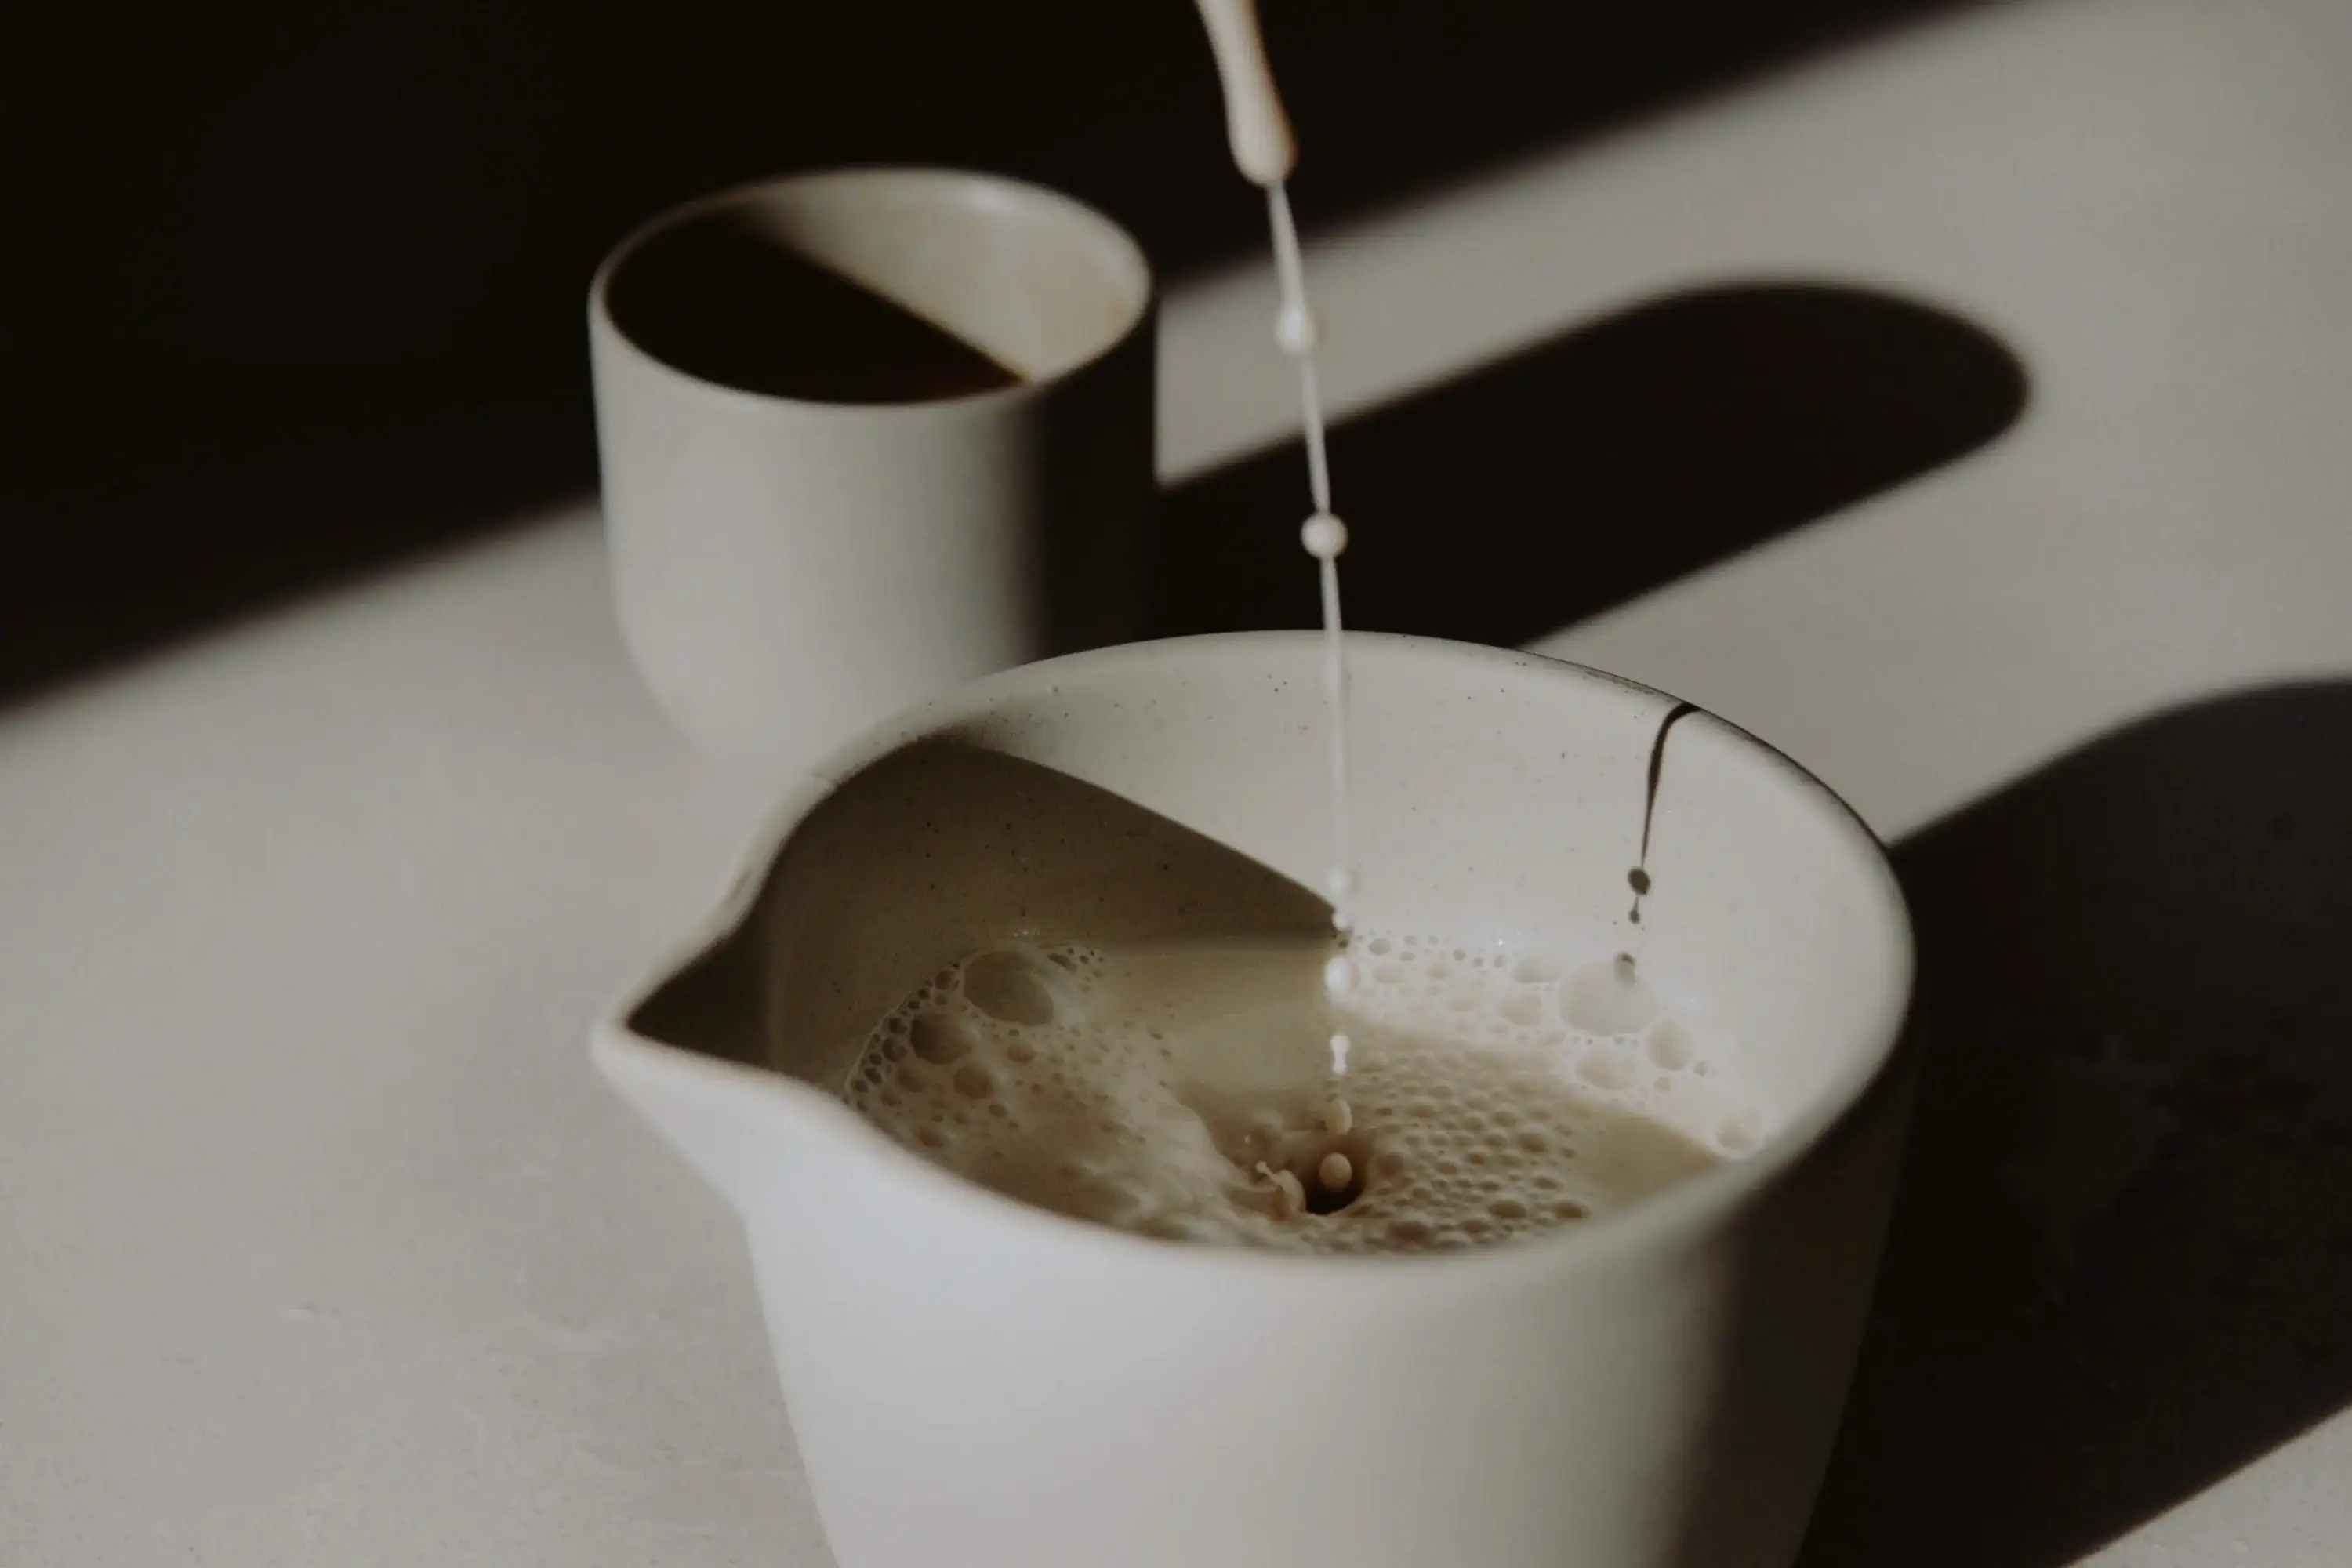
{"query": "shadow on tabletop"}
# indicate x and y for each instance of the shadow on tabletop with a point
(1609, 460)
(328, 315)
(2121, 1260)
(2120, 1266)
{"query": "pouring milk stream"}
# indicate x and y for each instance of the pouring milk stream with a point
(1265, 152)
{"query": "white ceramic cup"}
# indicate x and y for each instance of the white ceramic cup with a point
(789, 570)
(977, 1382)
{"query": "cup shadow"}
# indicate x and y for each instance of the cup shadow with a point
(2120, 1266)
(1611, 460)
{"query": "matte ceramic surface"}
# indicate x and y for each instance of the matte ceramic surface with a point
(789, 572)
(977, 1382)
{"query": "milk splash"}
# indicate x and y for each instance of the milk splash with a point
(1176, 1090)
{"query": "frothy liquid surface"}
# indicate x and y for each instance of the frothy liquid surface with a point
(1185, 1092)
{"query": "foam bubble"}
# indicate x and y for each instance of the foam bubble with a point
(937, 1039)
(1187, 1092)
(1608, 998)
(1524, 1008)
(1739, 1134)
(1672, 1047)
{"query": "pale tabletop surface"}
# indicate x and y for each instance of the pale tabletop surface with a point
(321, 1243)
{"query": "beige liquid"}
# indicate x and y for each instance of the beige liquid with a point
(1184, 1091)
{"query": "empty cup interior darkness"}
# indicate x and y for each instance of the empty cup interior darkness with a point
(875, 286)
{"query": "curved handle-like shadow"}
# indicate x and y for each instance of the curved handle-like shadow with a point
(1609, 460)
(2121, 1263)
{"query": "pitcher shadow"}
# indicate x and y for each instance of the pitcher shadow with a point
(2121, 1261)
(1611, 460)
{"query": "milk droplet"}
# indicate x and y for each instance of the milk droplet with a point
(1295, 329)
(1324, 535)
(1292, 1198)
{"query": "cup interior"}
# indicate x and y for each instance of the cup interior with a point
(1495, 796)
(878, 286)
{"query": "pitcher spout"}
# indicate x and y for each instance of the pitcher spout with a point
(726, 1119)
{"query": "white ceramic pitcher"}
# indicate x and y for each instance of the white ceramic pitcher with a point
(976, 1383)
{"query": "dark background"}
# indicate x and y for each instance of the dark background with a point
(290, 291)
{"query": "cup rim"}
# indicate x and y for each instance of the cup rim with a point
(1685, 1209)
(1099, 225)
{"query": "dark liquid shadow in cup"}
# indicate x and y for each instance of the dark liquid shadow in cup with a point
(951, 846)
(721, 299)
